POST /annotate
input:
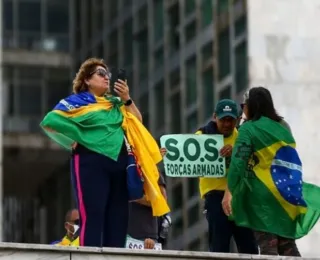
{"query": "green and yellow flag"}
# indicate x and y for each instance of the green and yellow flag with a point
(99, 124)
(265, 179)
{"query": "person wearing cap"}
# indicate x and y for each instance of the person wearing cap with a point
(214, 190)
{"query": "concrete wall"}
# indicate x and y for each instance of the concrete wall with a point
(10, 251)
(284, 53)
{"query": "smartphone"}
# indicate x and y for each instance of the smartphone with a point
(115, 75)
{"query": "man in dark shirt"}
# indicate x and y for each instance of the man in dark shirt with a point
(142, 225)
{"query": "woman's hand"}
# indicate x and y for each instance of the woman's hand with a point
(163, 151)
(122, 89)
(226, 203)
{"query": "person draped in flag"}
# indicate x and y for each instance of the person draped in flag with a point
(265, 180)
(94, 125)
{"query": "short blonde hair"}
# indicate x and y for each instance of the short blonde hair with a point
(85, 71)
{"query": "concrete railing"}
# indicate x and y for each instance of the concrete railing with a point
(36, 252)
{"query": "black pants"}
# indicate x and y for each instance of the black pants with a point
(221, 229)
(100, 185)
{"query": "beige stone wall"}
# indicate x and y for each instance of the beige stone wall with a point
(284, 53)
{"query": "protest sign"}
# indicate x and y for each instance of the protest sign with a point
(190, 155)
(132, 243)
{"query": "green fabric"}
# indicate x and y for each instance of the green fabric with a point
(99, 131)
(254, 204)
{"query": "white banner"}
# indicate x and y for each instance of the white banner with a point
(132, 243)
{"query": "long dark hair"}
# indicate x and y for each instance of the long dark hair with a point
(260, 104)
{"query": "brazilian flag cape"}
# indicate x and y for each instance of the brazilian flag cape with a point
(266, 182)
(99, 123)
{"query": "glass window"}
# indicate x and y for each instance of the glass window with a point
(128, 40)
(60, 74)
(207, 52)
(144, 109)
(193, 214)
(176, 113)
(241, 25)
(223, 6)
(191, 30)
(177, 198)
(143, 54)
(12, 92)
(208, 92)
(29, 16)
(174, 38)
(8, 15)
(143, 17)
(192, 122)
(159, 104)
(99, 13)
(241, 67)
(158, 20)
(193, 187)
(226, 93)
(177, 227)
(88, 24)
(175, 78)
(206, 9)
(113, 11)
(113, 58)
(77, 32)
(30, 73)
(57, 17)
(127, 3)
(158, 58)
(29, 99)
(224, 53)
(57, 90)
(100, 50)
(191, 81)
(190, 6)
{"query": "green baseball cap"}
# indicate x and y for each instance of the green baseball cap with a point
(227, 107)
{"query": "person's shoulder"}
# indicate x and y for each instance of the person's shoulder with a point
(285, 124)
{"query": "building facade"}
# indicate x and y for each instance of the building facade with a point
(182, 56)
(35, 75)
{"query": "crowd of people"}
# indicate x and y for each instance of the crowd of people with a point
(263, 171)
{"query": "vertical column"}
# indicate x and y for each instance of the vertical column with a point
(166, 55)
(43, 19)
(199, 67)
(183, 87)
(83, 29)
(215, 50)
(150, 28)
(1, 132)
(136, 92)
(105, 40)
(72, 38)
(232, 50)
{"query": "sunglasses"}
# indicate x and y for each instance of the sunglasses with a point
(102, 73)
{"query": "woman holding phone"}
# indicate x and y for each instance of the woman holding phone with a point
(97, 123)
